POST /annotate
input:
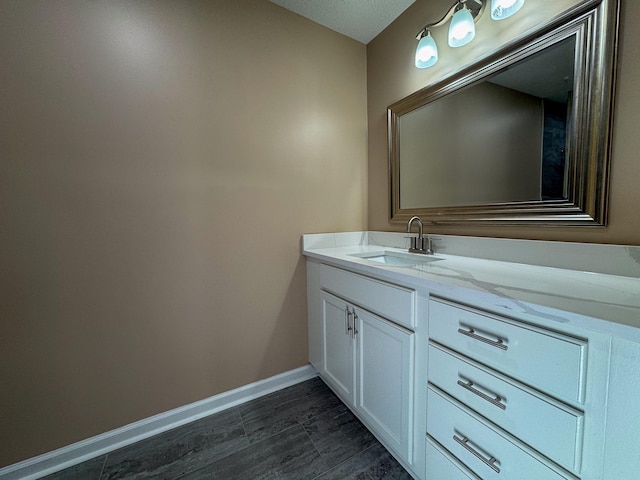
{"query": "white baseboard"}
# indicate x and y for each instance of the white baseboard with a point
(73, 454)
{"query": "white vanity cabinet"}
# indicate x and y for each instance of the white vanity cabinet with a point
(471, 368)
(364, 356)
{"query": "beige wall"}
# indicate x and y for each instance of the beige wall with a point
(159, 161)
(392, 76)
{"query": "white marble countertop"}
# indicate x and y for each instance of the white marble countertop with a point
(577, 297)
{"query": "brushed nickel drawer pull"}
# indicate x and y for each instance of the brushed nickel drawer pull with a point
(493, 401)
(489, 463)
(472, 334)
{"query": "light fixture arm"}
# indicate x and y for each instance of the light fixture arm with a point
(476, 12)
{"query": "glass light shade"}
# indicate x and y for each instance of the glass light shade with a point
(501, 9)
(462, 29)
(427, 52)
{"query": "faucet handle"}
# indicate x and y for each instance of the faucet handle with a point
(427, 245)
(413, 241)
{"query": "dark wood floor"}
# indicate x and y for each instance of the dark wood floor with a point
(298, 433)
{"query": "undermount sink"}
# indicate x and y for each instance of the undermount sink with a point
(396, 259)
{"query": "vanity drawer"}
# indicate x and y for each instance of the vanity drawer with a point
(545, 424)
(483, 449)
(441, 465)
(387, 300)
(550, 361)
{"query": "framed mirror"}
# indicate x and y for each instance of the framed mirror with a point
(521, 137)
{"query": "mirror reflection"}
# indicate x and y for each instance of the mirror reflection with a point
(502, 139)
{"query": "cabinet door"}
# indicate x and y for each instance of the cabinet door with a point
(339, 348)
(385, 370)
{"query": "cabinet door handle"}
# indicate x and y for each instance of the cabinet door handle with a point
(472, 334)
(488, 462)
(493, 401)
(347, 320)
(355, 322)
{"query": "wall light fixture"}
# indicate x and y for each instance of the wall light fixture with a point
(463, 15)
(501, 9)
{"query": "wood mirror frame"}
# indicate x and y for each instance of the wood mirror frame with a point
(594, 25)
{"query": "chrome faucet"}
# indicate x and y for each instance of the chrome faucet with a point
(420, 243)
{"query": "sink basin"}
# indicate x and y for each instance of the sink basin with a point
(396, 259)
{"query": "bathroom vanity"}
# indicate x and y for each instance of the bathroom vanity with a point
(490, 359)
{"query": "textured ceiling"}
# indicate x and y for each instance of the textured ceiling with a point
(361, 20)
